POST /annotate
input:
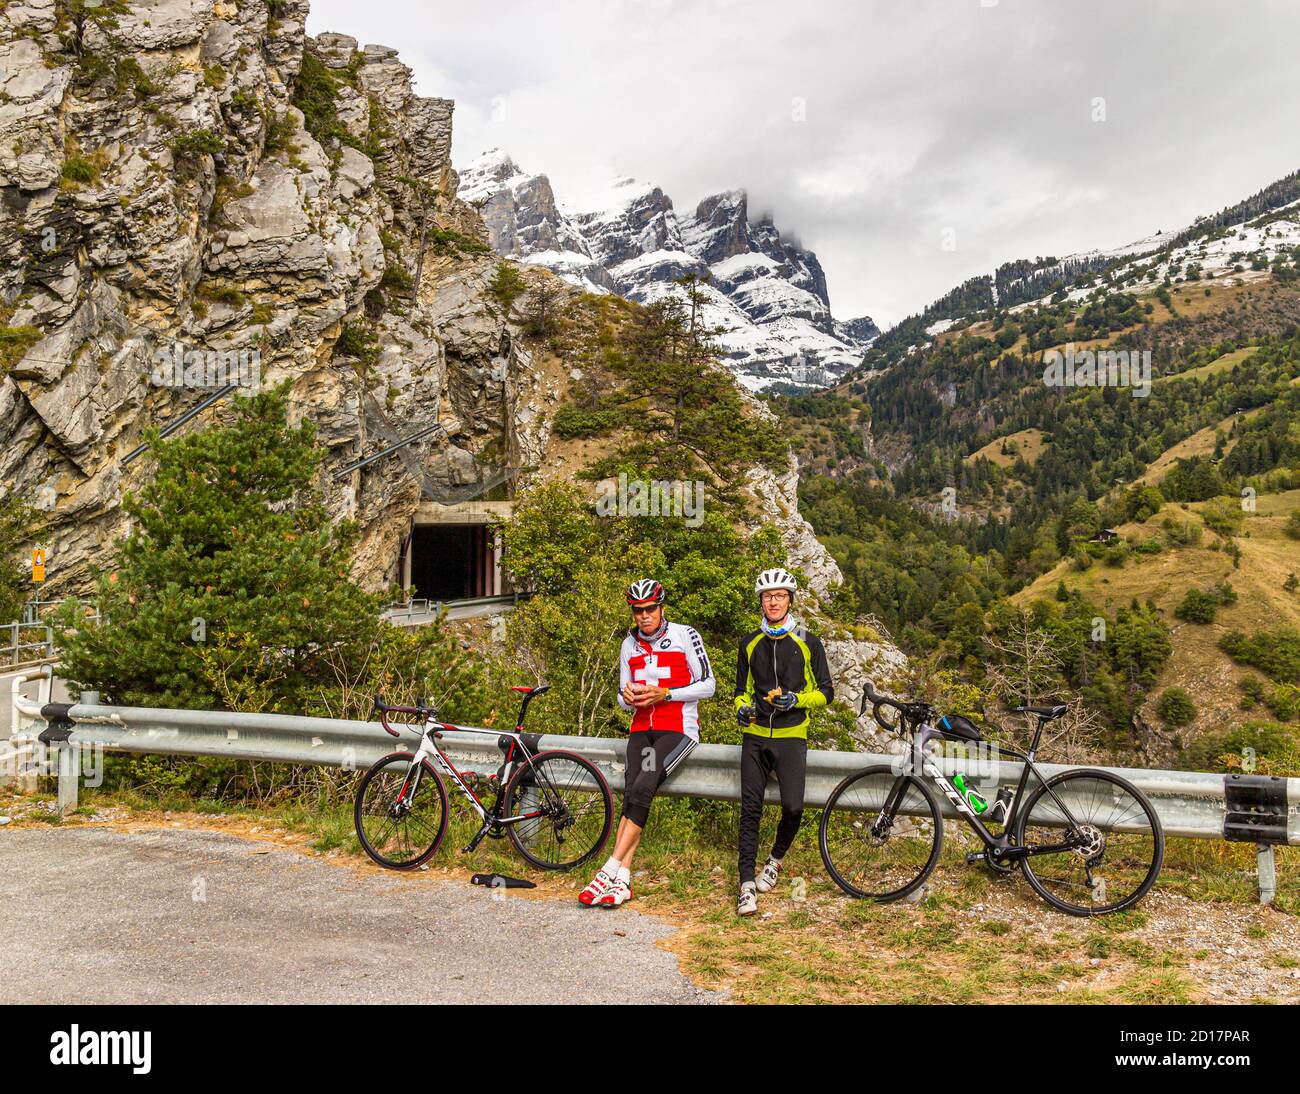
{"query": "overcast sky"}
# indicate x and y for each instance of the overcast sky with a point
(910, 144)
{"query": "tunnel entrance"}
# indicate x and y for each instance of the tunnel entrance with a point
(452, 561)
(454, 552)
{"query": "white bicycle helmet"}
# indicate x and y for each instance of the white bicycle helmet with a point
(647, 591)
(775, 579)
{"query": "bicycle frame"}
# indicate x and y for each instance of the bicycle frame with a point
(923, 765)
(493, 822)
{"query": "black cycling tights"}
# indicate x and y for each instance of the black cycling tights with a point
(787, 758)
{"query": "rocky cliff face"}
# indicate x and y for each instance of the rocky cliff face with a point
(768, 294)
(194, 191)
(162, 195)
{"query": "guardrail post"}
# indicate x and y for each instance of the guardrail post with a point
(1267, 870)
(69, 773)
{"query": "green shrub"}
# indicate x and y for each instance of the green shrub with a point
(1176, 708)
(396, 278)
(1197, 607)
(315, 94)
(1223, 516)
(576, 421)
(1275, 653)
(507, 284)
(14, 344)
(1116, 555)
(447, 241)
(1181, 533)
(359, 341)
(189, 149)
(1253, 692)
(1285, 702)
(129, 76)
(1266, 748)
(220, 294)
(77, 170)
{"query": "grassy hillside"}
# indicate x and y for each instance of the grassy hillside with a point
(997, 486)
(1197, 664)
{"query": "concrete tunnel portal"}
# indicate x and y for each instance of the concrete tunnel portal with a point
(453, 552)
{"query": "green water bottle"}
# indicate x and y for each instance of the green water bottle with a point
(968, 794)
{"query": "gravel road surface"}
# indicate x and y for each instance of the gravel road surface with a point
(94, 915)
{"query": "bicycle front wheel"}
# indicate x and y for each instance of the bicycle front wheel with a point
(566, 807)
(400, 812)
(1111, 844)
(881, 834)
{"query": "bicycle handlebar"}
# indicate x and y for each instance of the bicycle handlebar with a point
(419, 711)
(911, 713)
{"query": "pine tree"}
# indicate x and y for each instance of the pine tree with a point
(232, 590)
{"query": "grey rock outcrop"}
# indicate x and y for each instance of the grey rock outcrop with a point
(159, 188)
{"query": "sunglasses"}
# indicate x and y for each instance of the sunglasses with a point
(644, 609)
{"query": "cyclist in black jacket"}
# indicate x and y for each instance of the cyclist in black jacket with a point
(781, 674)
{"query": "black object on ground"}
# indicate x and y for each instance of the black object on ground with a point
(500, 881)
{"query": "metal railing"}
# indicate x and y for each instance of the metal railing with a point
(1245, 808)
(410, 609)
(31, 640)
(20, 649)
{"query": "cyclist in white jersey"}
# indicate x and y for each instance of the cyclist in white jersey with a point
(663, 674)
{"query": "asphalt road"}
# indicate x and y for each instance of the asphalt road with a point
(191, 916)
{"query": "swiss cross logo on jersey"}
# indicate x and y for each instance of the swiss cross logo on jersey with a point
(664, 669)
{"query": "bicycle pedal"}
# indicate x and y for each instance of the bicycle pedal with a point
(974, 857)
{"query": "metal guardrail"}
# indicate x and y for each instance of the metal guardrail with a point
(366, 461)
(1261, 809)
(436, 608)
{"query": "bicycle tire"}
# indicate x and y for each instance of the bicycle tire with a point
(1038, 883)
(368, 843)
(528, 839)
(837, 870)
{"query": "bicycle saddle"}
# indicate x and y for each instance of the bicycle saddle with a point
(1044, 713)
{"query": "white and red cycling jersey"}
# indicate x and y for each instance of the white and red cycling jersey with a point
(675, 660)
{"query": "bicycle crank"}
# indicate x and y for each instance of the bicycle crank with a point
(985, 858)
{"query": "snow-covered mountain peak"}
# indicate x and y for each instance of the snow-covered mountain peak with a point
(621, 234)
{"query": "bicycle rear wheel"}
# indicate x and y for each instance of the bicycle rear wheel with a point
(881, 834)
(568, 809)
(398, 828)
(1118, 844)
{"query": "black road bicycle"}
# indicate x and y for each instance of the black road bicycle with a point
(1088, 841)
(555, 806)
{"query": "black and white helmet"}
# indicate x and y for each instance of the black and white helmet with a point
(643, 592)
(775, 579)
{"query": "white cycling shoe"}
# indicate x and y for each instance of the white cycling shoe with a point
(769, 876)
(748, 902)
(601, 884)
(619, 893)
